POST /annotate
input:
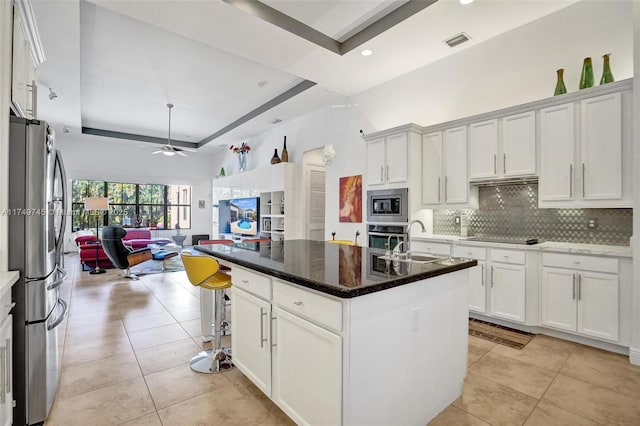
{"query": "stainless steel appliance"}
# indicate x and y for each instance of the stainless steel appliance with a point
(37, 220)
(378, 235)
(388, 205)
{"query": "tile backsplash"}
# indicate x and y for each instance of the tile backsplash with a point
(511, 211)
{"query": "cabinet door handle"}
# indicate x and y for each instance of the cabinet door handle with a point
(579, 287)
(491, 276)
(3, 379)
(446, 182)
(439, 181)
(574, 287)
(504, 163)
(570, 180)
(482, 275)
(381, 172)
(495, 166)
(34, 98)
(8, 364)
(297, 302)
(262, 339)
(245, 281)
(387, 173)
(583, 167)
(273, 345)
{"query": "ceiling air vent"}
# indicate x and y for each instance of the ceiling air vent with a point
(275, 121)
(457, 39)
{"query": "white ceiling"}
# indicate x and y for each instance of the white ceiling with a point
(115, 64)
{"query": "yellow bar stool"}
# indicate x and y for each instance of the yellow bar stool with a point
(204, 271)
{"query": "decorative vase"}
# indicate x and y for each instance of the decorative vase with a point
(275, 159)
(242, 158)
(607, 76)
(560, 87)
(285, 153)
(586, 78)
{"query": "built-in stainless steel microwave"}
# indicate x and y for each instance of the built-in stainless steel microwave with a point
(388, 205)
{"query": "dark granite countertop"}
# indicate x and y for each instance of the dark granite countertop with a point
(339, 270)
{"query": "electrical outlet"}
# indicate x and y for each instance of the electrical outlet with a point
(457, 220)
(592, 223)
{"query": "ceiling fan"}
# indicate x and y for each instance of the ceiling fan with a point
(169, 149)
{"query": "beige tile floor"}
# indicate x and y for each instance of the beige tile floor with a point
(127, 345)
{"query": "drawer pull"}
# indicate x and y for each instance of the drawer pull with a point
(245, 281)
(297, 302)
(470, 254)
(505, 256)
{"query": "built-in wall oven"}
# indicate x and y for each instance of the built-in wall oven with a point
(388, 205)
(379, 235)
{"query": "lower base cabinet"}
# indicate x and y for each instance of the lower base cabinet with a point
(251, 318)
(508, 291)
(477, 288)
(585, 302)
(307, 370)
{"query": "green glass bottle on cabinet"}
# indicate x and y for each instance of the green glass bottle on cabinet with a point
(560, 87)
(607, 75)
(586, 78)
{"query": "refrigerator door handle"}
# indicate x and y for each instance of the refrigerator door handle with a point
(63, 180)
(62, 274)
(57, 321)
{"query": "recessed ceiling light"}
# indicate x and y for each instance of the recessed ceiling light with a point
(466, 1)
(262, 83)
(366, 52)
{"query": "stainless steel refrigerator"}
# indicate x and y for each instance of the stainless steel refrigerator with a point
(37, 219)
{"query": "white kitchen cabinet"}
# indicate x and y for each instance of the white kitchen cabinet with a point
(251, 338)
(477, 288)
(483, 150)
(307, 370)
(601, 147)
(510, 152)
(387, 161)
(578, 300)
(477, 277)
(557, 147)
(582, 150)
(519, 144)
(6, 375)
(27, 55)
(444, 167)
(508, 284)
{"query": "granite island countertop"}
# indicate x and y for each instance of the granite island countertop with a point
(335, 269)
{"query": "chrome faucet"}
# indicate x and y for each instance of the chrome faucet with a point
(407, 245)
(396, 249)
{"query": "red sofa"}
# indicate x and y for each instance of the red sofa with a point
(135, 238)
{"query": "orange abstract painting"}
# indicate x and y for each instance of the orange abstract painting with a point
(351, 199)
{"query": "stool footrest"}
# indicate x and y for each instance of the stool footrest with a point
(212, 362)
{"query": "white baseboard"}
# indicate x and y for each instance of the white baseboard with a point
(634, 356)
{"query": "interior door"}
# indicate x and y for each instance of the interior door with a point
(315, 200)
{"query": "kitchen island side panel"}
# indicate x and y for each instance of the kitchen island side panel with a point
(407, 354)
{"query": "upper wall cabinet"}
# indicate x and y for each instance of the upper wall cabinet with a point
(504, 147)
(388, 152)
(444, 168)
(584, 152)
(26, 57)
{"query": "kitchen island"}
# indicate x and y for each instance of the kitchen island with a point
(334, 335)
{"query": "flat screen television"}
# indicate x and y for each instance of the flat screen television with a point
(239, 216)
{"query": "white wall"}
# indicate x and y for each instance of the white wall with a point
(91, 157)
(513, 68)
(5, 95)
